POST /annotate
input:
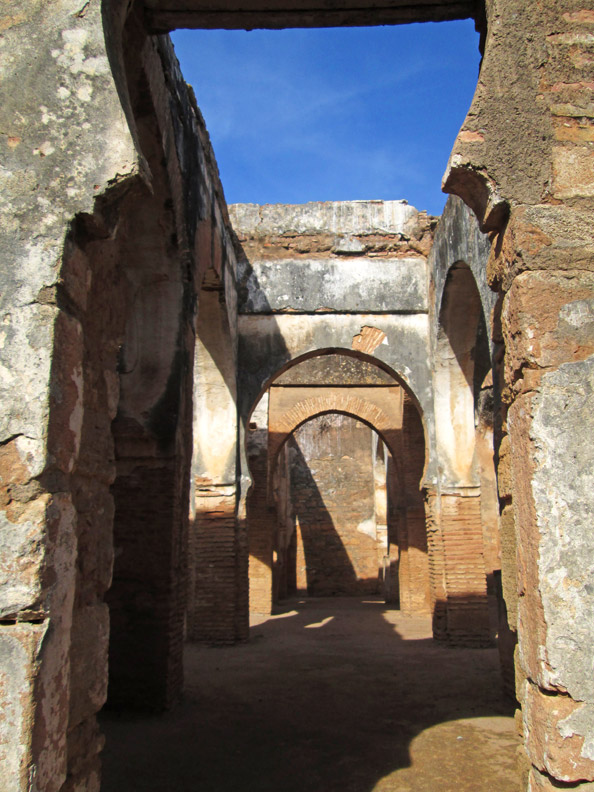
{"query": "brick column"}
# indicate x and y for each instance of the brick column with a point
(214, 552)
(464, 563)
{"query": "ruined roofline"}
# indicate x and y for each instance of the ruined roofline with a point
(325, 217)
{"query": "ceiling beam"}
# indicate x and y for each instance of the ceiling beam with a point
(163, 16)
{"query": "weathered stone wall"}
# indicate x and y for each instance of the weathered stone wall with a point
(60, 150)
(104, 262)
(523, 161)
(350, 275)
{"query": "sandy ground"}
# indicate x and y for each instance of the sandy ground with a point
(330, 695)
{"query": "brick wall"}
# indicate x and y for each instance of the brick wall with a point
(466, 584)
(214, 550)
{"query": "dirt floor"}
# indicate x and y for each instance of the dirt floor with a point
(330, 695)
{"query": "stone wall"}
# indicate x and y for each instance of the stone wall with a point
(349, 275)
(523, 162)
(102, 399)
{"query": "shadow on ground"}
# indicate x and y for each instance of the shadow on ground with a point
(330, 694)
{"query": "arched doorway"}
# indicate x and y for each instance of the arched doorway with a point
(334, 383)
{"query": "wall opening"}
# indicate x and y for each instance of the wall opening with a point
(350, 389)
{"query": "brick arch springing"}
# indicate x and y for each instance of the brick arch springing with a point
(332, 402)
(356, 354)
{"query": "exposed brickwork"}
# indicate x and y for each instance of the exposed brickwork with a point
(466, 587)
(212, 616)
(268, 240)
(436, 563)
(144, 617)
(380, 407)
(407, 564)
(368, 339)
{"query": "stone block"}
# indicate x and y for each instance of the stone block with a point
(22, 555)
(509, 566)
(543, 237)
(554, 746)
(573, 172)
(548, 319)
(26, 340)
(19, 657)
(336, 217)
(358, 285)
(85, 742)
(552, 464)
(95, 511)
(34, 550)
(531, 622)
(66, 401)
(88, 662)
(572, 130)
(76, 275)
(563, 490)
(504, 482)
(87, 781)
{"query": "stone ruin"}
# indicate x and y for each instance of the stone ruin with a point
(170, 369)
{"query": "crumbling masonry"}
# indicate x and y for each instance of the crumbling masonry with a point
(159, 354)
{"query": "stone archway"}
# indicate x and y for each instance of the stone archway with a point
(386, 408)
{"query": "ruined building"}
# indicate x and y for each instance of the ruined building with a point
(159, 353)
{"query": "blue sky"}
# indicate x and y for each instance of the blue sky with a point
(333, 114)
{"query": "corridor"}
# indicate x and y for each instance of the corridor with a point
(329, 695)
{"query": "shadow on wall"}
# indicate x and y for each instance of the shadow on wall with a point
(327, 535)
(331, 694)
